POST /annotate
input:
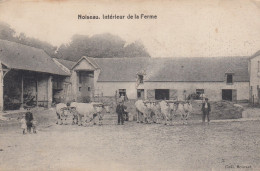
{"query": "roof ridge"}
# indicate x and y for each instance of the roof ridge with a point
(22, 45)
(64, 59)
(174, 57)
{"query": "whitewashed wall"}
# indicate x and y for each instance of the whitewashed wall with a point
(213, 90)
(109, 88)
(254, 76)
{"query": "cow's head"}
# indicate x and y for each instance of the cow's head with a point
(99, 107)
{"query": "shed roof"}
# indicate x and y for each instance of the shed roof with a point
(18, 56)
(68, 64)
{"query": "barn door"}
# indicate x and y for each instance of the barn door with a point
(150, 94)
(173, 94)
(234, 95)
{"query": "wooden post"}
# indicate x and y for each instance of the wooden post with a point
(37, 92)
(21, 92)
(1, 88)
(49, 91)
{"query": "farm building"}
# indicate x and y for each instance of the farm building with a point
(28, 76)
(254, 68)
(220, 78)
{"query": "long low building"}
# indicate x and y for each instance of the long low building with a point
(219, 78)
(29, 76)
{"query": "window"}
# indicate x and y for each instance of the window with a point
(141, 79)
(229, 79)
(140, 93)
(199, 91)
(122, 92)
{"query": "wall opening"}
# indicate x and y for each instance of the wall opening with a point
(162, 94)
(85, 86)
(140, 93)
(227, 94)
(122, 92)
(229, 78)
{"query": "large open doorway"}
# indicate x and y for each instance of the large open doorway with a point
(229, 94)
(162, 94)
(86, 85)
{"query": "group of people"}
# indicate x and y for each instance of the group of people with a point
(28, 123)
(123, 114)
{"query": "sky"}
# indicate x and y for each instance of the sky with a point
(183, 28)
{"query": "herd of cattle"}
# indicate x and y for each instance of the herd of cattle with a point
(146, 112)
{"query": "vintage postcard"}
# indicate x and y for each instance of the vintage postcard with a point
(141, 85)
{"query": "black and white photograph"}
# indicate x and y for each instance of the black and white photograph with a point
(140, 85)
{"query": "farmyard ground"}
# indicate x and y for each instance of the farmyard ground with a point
(218, 146)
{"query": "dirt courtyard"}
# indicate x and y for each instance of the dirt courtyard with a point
(153, 147)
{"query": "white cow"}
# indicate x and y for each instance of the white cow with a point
(62, 113)
(165, 112)
(88, 111)
(185, 109)
(143, 112)
(155, 111)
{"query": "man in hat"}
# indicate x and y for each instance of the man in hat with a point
(205, 110)
(120, 109)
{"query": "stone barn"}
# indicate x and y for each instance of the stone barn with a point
(219, 78)
(28, 77)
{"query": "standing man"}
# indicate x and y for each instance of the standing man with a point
(205, 109)
(120, 109)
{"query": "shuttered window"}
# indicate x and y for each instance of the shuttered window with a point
(173, 94)
(151, 94)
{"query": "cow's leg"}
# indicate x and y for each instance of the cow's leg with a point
(88, 121)
(61, 121)
(65, 120)
(171, 117)
(58, 118)
(187, 117)
(100, 118)
(158, 118)
(95, 117)
(183, 119)
(79, 120)
(165, 123)
(138, 116)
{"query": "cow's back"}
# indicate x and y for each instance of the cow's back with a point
(60, 106)
(85, 108)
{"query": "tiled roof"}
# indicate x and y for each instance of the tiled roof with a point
(68, 64)
(196, 69)
(173, 69)
(18, 56)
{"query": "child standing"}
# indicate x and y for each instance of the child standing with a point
(23, 122)
(34, 123)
